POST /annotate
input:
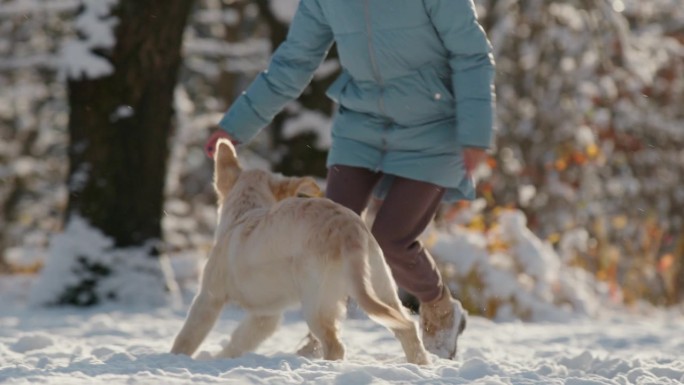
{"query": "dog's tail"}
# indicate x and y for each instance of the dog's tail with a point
(358, 273)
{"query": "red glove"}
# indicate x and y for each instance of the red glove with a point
(210, 146)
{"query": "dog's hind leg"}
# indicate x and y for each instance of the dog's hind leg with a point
(386, 291)
(251, 332)
(323, 307)
(312, 347)
(203, 313)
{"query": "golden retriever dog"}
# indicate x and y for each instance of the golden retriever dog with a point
(278, 244)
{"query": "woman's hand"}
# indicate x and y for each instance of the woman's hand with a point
(472, 157)
(210, 146)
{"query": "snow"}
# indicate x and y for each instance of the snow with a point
(22, 7)
(82, 253)
(284, 10)
(525, 194)
(122, 112)
(309, 121)
(96, 27)
(31, 342)
(327, 68)
(118, 344)
(578, 341)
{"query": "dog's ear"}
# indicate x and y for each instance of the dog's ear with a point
(307, 187)
(226, 167)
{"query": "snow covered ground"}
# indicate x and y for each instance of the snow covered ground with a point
(119, 345)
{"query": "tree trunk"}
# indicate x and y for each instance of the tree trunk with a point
(119, 126)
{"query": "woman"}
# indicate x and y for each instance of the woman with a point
(415, 117)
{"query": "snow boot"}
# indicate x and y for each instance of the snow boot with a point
(442, 321)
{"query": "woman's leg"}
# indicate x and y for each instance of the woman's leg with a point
(351, 186)
(407, 210)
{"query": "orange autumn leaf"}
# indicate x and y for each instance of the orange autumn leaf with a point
(620, 221)
(561, 164)
(498, 245)
(579, 158)
(592, 151)
(453, 210)
(486, 187)
(666, 262)
(602, 275)
(554, 238)
(477, 224)
(489, 197)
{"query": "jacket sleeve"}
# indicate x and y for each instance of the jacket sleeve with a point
(290, 71)
(472, 63)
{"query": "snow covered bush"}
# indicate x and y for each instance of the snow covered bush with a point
(101, 271)
(591, 131)
(509, 273)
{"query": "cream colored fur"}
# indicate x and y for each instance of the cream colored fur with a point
(274, 249)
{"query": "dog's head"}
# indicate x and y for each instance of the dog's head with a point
(288, 187)
(228, 174)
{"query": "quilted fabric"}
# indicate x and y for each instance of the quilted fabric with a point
(416, 85)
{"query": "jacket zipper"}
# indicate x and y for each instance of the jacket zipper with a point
(379, 79)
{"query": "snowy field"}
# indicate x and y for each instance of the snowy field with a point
(117, 345)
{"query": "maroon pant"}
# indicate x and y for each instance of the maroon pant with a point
(404, 214)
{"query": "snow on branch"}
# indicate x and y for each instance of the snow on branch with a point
(13, 63)
(214, 48)
(284, 10)
(23, 7)
(96, 25)
(309, 121)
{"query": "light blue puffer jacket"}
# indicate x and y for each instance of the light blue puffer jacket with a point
(416, 85)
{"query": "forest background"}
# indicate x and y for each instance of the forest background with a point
(589, 152)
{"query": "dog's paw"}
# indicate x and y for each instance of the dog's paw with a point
(312, 348)
(204, 356)
(420, 358)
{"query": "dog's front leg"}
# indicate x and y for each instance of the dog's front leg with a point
(251, 332)
(203, 313)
